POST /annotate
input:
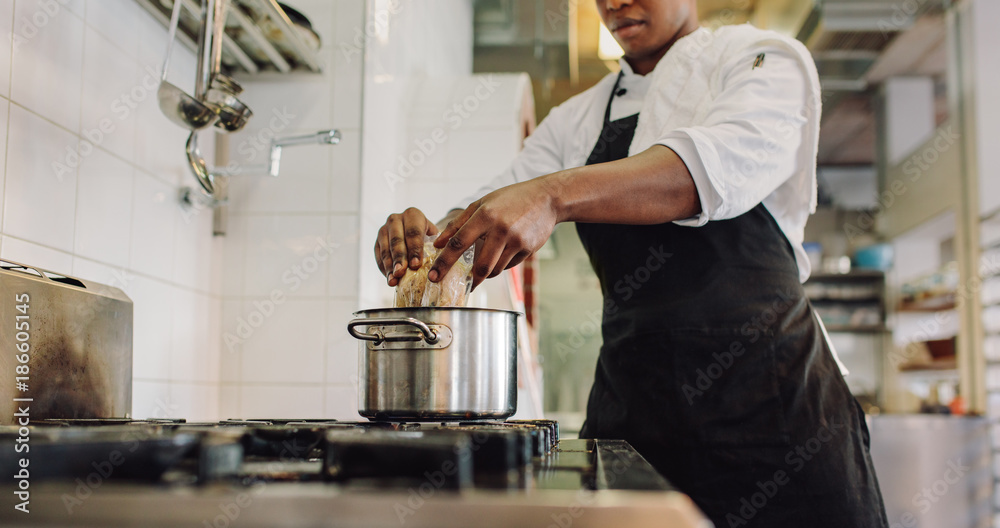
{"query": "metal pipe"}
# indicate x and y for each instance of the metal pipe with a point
(202, 79)
(198, 166)
(323, 137)
(218, 30)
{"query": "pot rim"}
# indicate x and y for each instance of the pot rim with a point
(365, 313)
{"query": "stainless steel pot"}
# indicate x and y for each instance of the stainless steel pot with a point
(436, 364)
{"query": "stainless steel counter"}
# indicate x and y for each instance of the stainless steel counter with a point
(934, 470)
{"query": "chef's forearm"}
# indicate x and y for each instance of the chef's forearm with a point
(651, 187)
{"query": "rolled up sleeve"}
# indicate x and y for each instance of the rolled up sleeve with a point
(747, 145)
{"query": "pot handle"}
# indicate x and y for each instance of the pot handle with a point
(429, 335)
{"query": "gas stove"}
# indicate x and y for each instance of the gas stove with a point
(325, 472)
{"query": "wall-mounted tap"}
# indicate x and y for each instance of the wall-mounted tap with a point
(215, 95)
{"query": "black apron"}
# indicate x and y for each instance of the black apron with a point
(714, 368)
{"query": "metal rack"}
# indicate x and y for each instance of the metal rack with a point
(259, 36)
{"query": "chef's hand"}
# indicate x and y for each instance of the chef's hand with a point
(402, 236)
(400, 243)
(513, 223)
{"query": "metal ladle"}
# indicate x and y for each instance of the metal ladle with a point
(176, 104)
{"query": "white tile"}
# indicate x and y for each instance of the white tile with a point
(282, 254)
(152, 242)
(153, 42)
(6, 41)
(303, 184)
(480, 154)
(39, 203)
(117, 21)
(4, 112)
(348, 63)
(217, 265)
(77, 7)
(233, 332)
(424, 157)
(345, 173)
(194, 356)
(491, 100)
(196, 402)
(229, 402)
(110, 88)
(433, 198)
(341, 402)
(343, 260)
(286, 342)
(212, 351)
(46, 67)
(234, 255)
(159, 144)
(151, 399)
(278, 112)
(90, 270)
(193, 247)
(153, 332)
(284, 401)
(342, 349)
(104, 209)
(31, 254)
(432, 97)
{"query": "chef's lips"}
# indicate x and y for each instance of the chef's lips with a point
(625, 27)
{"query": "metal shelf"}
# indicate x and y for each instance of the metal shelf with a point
(259, 37)
(856, 275)
(858, 329)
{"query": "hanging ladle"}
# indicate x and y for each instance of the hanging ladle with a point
(176, 104)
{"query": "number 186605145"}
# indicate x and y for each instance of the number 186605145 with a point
(22, 338)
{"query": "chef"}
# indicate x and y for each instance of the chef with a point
(690, 175)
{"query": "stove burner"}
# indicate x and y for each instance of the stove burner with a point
(449, 456)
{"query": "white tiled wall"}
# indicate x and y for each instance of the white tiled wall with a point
(415, 61)
(296, 237)
(251, 324)
(113, 215)
(298, 358)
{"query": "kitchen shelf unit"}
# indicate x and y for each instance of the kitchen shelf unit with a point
(852, 307)
(260, 38)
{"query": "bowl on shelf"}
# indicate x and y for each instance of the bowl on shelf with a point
(876, 257)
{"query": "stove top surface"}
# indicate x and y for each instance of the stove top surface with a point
(315, 462)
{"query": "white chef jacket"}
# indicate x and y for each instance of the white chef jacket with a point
(739, 105)
(748, 134)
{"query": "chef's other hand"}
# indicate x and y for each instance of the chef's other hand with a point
(400, 243)
(513, 222)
